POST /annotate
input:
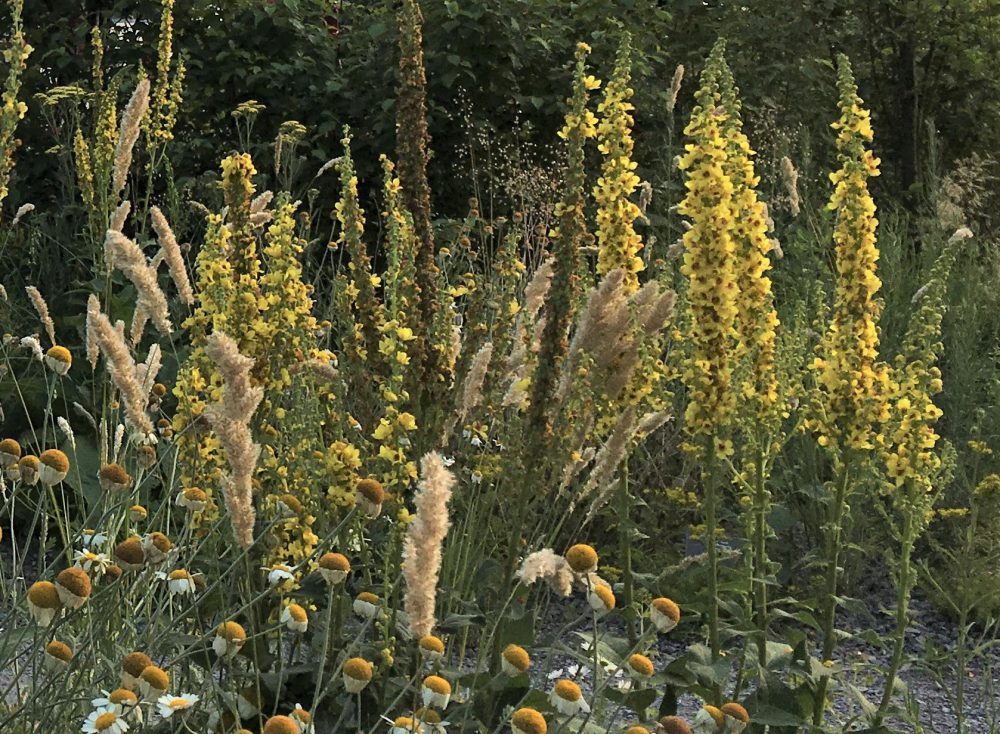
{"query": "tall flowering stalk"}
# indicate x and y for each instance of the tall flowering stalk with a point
(709, 266)
(618, 244)
(12, 109)
(567, 238)
(412, 143)
(913, 461)
(847, 404)
(756, 328)
(361, 289)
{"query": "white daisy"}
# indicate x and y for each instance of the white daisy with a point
(90, 561)
(104, 721)
(168, 704)
(278, 573)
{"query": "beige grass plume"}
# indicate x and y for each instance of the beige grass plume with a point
(120, 216)
(472, 389)
(128, 257)
(547, 565)
(146, 372)
(172, 254)
(121, 366)
(230, 419)
(675, 87)
(93, 349)
(128, 133)
(43, 312)
(422, 546)
(791, 179)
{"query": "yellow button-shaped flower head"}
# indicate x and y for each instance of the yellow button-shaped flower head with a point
(673, 725)
(43, 602)
(567, 698)
(73, 586)
(582, 558)
(334, 567)
(664, 614)
(53, 465)
(436, 691)
(357, 674)
(528, 721)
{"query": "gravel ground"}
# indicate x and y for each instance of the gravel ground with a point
(866, 666)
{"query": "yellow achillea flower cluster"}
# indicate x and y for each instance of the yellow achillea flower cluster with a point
(756, 320)
(709, 263)
(848, 373)
(12, 110)
(618, 244)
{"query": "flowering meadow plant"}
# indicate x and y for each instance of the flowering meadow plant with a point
(330, 466)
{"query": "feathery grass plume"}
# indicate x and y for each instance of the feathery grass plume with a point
(230, 420)
(917, 474)
(790, 176)
(520, 363)
(547, 565)
(605, 304)
(618, 244)
(145, 373)
(127, 257)
(607, 461)
(675, 88)
(93, 349)
(120, 216)
(361, 290)
(128, 134)
(121, 366)
(847, 403)
(567, 238)
(12, 110)
(140, 317)
(422, 545)
(322, 368)
(172, 255)
(412, 143)
(42, 308)
(472, 390)
(21, 212)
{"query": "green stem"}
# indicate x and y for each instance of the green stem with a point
(625, 546)
(711, 502)
(902, 604)
(760, 562)
(833, 543)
